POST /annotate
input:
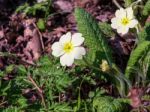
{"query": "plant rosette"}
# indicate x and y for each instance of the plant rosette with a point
(69, 48)
(124, 20)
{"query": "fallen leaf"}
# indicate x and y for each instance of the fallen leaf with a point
(135, 95)
(34, 45)
(63, 5)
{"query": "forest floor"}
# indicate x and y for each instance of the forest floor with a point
(22, 42)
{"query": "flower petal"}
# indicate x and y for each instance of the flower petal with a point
(65, 38)
(115, 23)
(133, 23)
(129, 13)
(77, 39)
(66, 59)
(121, 13)
(79, 52)
(57, 49)
(123, 30)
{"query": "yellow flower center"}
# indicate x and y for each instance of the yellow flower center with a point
(68, 47)
(125, 21)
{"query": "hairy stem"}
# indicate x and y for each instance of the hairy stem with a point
(89, 65)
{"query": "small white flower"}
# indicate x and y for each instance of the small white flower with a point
(69, 48)
(124, 20)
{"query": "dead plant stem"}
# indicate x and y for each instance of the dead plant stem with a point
(39, 90)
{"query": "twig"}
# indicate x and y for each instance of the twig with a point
(116, 3)
(29, 63)
(7, 54)
(3, 103)
(33, 82)
(59, 97)
(39, 90)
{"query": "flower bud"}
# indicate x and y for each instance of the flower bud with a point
(105, 66)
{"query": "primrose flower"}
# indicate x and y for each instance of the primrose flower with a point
(69, 48)
(104, 66)
(124, 20)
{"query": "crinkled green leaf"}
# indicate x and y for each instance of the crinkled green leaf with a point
(146, 10)
(145, 34)
(94, 39)
(109, 104)
(140, 52)
(106, 29)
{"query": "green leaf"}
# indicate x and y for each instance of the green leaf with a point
(140, 52)
(108, 104)
(12, 109)
(146, 10)
(41, 24)
(32, 9)
(98, 48)
(60, 107)
(106, 29)
(53, 73)
(22, 102)
(9, 68)
(1, 73)
(146, 66)
(145, 34)
(128, 2)
(22, 7)
(21, 70)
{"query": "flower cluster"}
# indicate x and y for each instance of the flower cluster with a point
(124, 20)
(69, 48)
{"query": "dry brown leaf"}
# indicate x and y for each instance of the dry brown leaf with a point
(1, 34)
(64, 6)
(135, 96)
(34, 45)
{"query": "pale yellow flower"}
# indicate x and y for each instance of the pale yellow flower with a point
(69, 48)
(124, 20)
